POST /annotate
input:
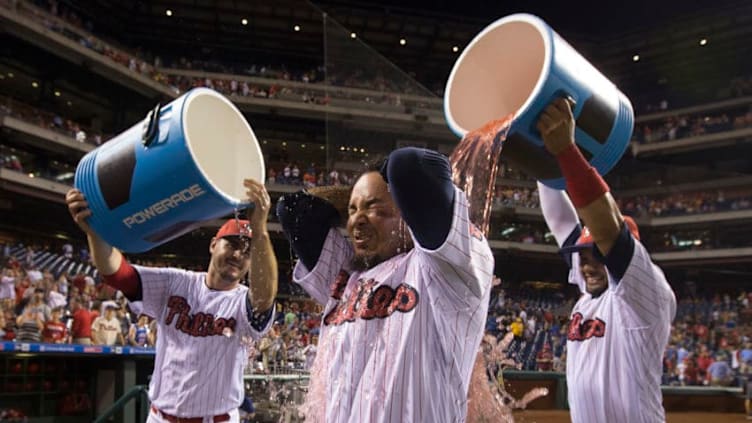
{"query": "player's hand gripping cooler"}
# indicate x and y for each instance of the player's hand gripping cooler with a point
(182, 165)
(517, 65)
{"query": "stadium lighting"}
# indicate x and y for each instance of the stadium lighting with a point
(636, 58)
(353, 35)
(284, 143)
(35, 84)
(302, 145)
(244, 21)
(168, 12)
(296, 28)
(10, 75)
(703, 41)
(455, 49)
(69, 103)
(57, 93)
(322, 147)
(403, 41)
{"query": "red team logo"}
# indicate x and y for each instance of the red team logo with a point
(199, 324)
(582, 331)
(366, 303)
(338, 286)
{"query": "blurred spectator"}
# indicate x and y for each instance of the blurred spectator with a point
(68, 250)
(29, 325)
(545, 359)
(55, 331)
(138, 334)
(54, 298)
(82, 322)
(517, 328)
(7, 288)
(719, 372)
(38, 306)
(106, 329)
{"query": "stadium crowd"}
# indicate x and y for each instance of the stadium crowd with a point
(686, 126)
(62, 20)
(711, 339)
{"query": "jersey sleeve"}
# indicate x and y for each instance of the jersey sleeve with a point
(156, 284)
(256, 325)
(559, 213)
(320, 281)
(645, 290)
(465, 257)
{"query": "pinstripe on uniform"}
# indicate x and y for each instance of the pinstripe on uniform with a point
(411, 366)
(616, 377)
(196, 375)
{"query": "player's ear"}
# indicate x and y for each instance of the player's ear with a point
(212, 245)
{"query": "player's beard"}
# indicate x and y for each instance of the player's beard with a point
(363, 262)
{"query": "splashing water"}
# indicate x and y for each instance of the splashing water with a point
(314, 405)
(487, 399)
(475, 164)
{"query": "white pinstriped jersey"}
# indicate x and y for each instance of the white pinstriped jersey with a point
(200, 356)
(403, 334)
(615, 345)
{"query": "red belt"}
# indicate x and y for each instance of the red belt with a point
(175, 419)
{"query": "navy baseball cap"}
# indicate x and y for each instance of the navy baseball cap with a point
(586, 238)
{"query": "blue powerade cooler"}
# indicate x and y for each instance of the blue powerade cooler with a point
(518, 64)
(181, 166)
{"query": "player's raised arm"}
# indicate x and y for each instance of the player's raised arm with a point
(108, 260)
(263, 285)
(559, 214)
(420, 181)
(307, 216)
(588, 191)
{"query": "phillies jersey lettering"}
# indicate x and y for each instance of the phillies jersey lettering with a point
(398, 341)
(198, 324)
(202, 375)
(367, 303)
(580, 330)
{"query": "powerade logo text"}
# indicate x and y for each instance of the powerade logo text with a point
(164, 205)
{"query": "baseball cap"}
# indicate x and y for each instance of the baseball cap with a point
(586, 238)
(234, 227)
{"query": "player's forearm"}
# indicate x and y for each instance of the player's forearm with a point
(603, 219)
(590, 195)
(104, 256)
(263, 284)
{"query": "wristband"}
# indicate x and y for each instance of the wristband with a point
(584, 183)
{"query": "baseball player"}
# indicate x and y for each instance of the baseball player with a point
(620, 326)
(203, 318)
(405, 296)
